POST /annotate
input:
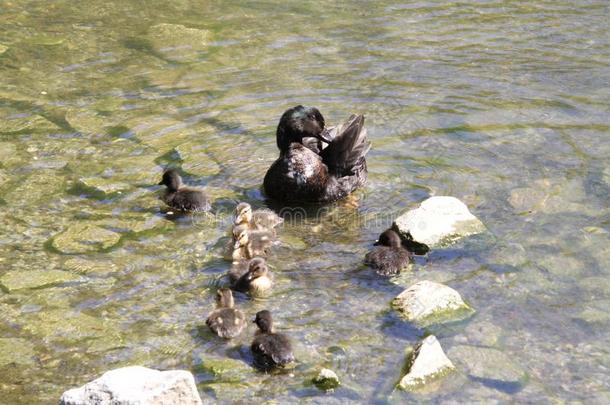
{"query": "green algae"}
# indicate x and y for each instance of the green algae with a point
(16, 351)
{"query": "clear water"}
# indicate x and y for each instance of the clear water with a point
(501, 104)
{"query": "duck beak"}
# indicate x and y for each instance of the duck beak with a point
(236, 245)
(160, 183)
(324, 136)
(377, 243)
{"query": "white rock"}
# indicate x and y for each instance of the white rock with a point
(136, 385)
(427, 302)
(326, 379)
(428, 361)
(437, 221)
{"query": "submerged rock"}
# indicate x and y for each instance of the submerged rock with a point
(34, 123)
(21, 279)
(438, 221)
(426, 362)
(136, 385)
(488, 364)
(326, 380)
(102, 187)
(16, 351)
(3, 48)
(85, 238)
(177, 42)
(426, 303)
(196, 161)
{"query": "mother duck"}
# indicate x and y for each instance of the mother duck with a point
(317, 165)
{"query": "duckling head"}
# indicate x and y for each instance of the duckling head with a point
(264, 321)
(300, 122)
(389, 238)
(240, 236)
(224, 298)
(243, 214)
(171, 179)
(257, 268)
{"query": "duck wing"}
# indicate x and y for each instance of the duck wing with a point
(272, 349)
(344, 156)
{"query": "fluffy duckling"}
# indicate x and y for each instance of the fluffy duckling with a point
(388, 257)
(226, 321)
(249, 244)
(269, 349)
(260, 220)
(181, 197)
(255, 280)
(310, 172)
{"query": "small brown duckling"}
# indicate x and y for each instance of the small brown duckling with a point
(270, 349)
(260, 220)
(226, 321)
(255, 280)
(180, 197)
(389, 257)
(248, 244)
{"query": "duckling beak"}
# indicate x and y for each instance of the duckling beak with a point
(160, 183)
(236, 245)
(377, 243)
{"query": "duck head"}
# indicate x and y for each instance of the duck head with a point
(300, 122)
(171, 179)
(389, 238)
(243, 214)
(257, 268)
(240, 236)
(264, 321)
(224, 298)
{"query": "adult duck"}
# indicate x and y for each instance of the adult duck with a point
(317, 172)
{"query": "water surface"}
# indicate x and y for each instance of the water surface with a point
(504, 105)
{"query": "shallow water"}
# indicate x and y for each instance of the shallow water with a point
(501, 104)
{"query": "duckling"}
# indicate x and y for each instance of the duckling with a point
(248, 244)
(270, 349)
(256, 280)
(261, 220)
(226, 321)
(306, 172)
(389, 257)
(181, 197)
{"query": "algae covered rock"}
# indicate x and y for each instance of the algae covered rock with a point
(427, 361)
(326, 380)
(85, 238)
(22, 279)
(136, 385)
(40, 186)
(426, 303)
(3, 48)
(177, 42)
(226, 369)
(438, 221)
(16, 351)
(195, 160)
(488, 364)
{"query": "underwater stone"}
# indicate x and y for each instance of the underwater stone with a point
(3, 48)
(426, 303)
(86, 122)
(196, 161)
(20, 279)
(488, 364)
(177, 42)
(438, 221)
(34, 123)
(103, 187)
(41, 186)
(136, 385)
(16, 351)
(226, 370)
(85, 238)
(427, 361)
(326, 380)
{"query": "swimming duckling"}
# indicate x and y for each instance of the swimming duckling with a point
(314, 173)
(248, 244)
(226, 321)
(389, 257)
(262, 219)
(270, 349)
(256, 280)
(181, 197)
